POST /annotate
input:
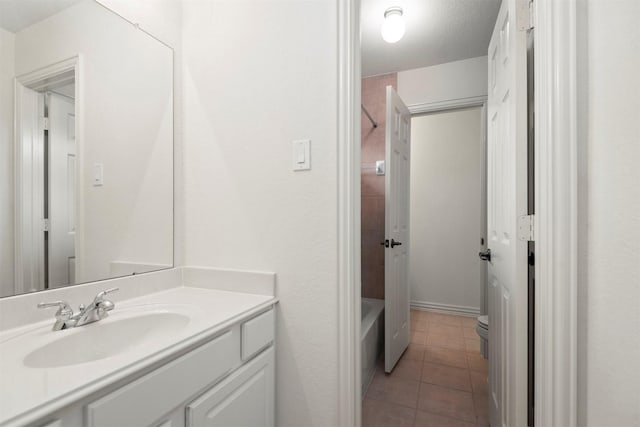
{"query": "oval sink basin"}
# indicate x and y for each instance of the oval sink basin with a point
(105, 338)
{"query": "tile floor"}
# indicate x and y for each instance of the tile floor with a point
(440, 381)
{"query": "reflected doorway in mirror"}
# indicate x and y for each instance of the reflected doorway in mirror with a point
(45, 178)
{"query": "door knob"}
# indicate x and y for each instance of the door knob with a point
(394, 243)
(486, 255)
(385, 243)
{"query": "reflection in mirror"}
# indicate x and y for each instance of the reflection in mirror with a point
(86, 146)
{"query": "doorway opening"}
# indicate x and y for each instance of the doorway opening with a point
(46, 157)
(447, 206)
(456, 211)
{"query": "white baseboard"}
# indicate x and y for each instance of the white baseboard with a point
(459, 310)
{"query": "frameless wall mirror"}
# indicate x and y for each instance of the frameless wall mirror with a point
(86, 146)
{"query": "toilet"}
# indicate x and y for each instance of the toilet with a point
(483, 331)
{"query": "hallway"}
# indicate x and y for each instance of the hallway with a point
(440, 381)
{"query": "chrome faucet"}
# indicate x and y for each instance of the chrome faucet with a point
(97, 310)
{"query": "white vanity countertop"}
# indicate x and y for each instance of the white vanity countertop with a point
(29, 393)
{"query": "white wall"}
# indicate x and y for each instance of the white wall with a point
(259, 74)
(128, 127)
(446, 156)
(609, 283)
(445, 82)
(7, 41)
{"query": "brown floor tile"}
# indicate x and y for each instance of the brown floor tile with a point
(445, 401)
(477, 362)
(469, 322)
(471, 345)
(479, 382)
(448, 330)
(446, 341)
(414, 352)
(419, 315)
(419, 338)
(382, 414)
(446, 319)
(419, 325)
(472, 338)
(446, 376)
(470, 332)
(408, 369)
(426, 419)
(481, 407)
(482, 421)
(446, 356)
(394, 390)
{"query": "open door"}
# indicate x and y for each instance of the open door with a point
(506, 202)
(30, 193)
(396, 258)
(62, 190)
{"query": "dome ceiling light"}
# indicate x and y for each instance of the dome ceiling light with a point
(393, 26)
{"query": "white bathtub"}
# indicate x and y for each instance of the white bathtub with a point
(372, 329)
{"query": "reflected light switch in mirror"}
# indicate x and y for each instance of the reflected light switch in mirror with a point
(301, 155)
(98, 175)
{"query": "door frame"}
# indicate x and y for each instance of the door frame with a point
(39, 79)
(556, 198)
(556, 202)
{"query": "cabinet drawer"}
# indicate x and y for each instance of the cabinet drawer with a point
(143, 401)
(257, 333)
(245, 398)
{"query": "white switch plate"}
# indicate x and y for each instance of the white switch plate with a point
(301, 155)
(98, 174)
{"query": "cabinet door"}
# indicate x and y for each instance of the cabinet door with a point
(244, 399)
(173, 419)
(141, 402)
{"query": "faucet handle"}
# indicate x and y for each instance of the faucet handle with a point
(105, 292)
(64, 309)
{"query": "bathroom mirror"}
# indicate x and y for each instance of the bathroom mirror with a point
(86, 146)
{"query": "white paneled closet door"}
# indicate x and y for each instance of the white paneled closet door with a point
(507, 200)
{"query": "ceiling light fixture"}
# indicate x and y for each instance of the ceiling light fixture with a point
(393, 26)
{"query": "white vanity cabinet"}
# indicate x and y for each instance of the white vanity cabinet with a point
(246, 398)
(228, 381)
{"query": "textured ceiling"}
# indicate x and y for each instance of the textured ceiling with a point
(438, 31)
(18, 14)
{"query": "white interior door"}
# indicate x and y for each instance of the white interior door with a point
(396, 258)
(30, 157)
(507, 200)
(62, 190)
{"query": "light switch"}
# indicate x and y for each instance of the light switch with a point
(301, 155)
(98, 174)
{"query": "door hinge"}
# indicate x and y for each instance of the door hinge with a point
(45, 224)
(525, 15)
(526, 228)
(532, 14)
(44, 123)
